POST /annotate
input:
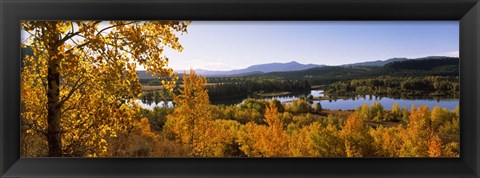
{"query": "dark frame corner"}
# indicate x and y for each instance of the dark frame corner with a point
(466, 11)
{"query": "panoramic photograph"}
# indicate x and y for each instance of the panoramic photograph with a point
(176, 89)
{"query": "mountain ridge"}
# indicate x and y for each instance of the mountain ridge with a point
(253, 69)
(259, 68)
(285, 67)
(377, 62)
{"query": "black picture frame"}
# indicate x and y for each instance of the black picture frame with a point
(13, 11)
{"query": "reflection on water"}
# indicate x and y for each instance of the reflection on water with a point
(354, 102)
(343, 104)
(387, 103)
(296, 96)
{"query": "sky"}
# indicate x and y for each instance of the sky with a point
(227, 45)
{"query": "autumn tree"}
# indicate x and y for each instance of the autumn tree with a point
(225, 141)
(386, 141)
(261, 140)
(395, 113)
(299, 143)
(142, 141)
(299, 106)
(192, 119)
(78, 86)
(434, 145)
(440, 116)
(325, 141)
(355, 133)
(276, 141)
(415, 137)
(449, 133)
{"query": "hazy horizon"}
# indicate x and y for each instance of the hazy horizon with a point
(141, 69)
(230, 45)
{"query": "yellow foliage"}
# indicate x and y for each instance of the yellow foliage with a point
(417, 133)
(358, 142)
(265, 141)
(95, 64)
(191, 120)
(434, 146)
(144, 126)
(387, 141)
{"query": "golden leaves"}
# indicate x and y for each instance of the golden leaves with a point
(260, 140)
(97, 63)
(434, 146)
(192, 119)
(98, 86)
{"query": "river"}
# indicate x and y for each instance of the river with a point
(348, 104)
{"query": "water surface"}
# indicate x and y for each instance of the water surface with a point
(343, 104)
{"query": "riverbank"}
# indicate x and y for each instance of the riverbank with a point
(316, 87)
(159, 87)
(319, 98)
(272, 94)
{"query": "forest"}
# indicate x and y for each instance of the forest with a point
(398, 86)
(261, 128)
(401, 79)
(80, 95)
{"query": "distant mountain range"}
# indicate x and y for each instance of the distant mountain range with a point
(283, 67)
(260, 68)
(431, 66)
(254, 69)
(376, 63)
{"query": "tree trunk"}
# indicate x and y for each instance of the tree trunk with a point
(53, 94)
(54, 112)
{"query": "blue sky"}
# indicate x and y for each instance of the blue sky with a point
(222, 45)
